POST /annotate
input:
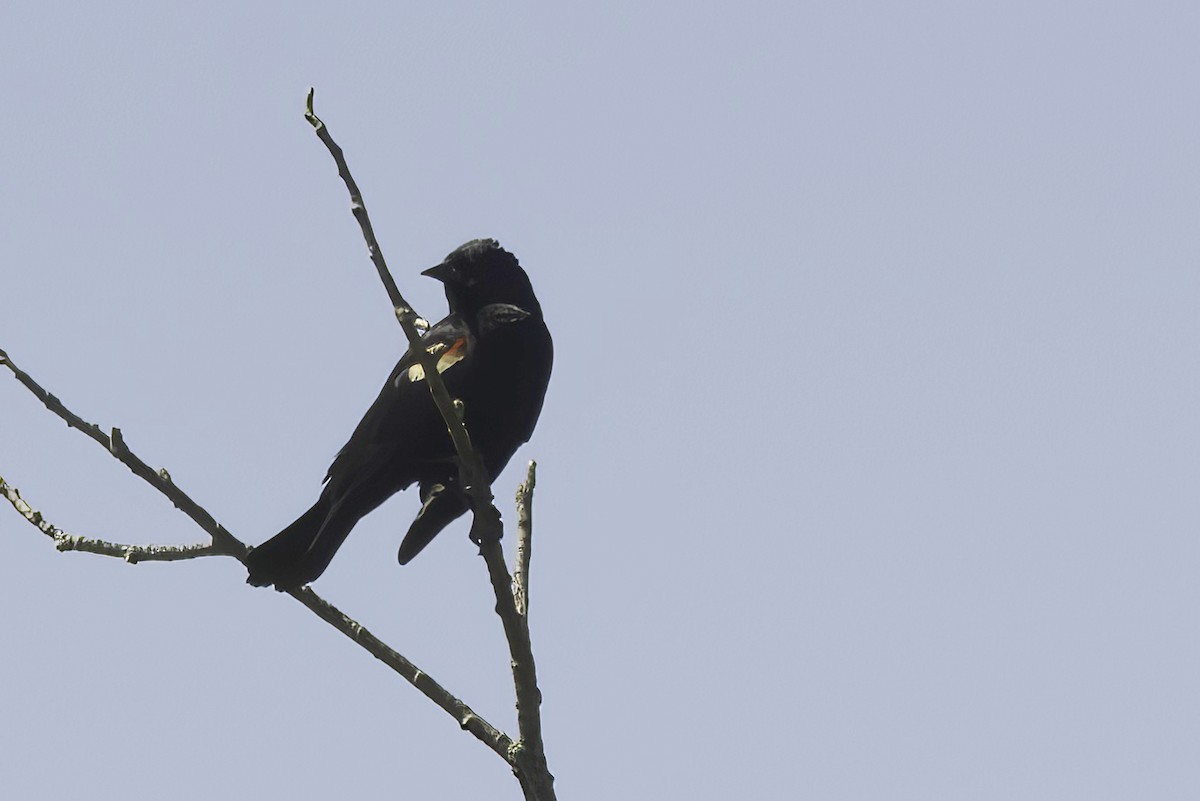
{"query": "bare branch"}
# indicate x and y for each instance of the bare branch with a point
(130, 553)
(223, 541)
(161, 480)
(53, 404)
(529, 753)
(357, 207)
(527, 756)
(492, 737)
(524, 539)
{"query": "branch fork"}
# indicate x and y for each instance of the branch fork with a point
(525, 755)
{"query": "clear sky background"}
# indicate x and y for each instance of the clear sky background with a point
(870, 467)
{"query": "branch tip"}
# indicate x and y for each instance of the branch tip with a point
(309, 114)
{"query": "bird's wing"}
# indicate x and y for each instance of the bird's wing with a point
(403, 416)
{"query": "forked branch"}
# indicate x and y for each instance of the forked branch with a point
(527, 755)
(229, 545)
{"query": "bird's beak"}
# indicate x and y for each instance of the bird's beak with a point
(443, 272)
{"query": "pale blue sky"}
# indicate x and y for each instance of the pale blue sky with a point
(870, 464)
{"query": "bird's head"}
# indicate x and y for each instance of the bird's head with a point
(480, 273)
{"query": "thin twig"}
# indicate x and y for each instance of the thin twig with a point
(223, 541)
(527, 756)
(130, 553)
(357, 207)
(530, 750)
(492, 737)
(524, 539)
(528, 696)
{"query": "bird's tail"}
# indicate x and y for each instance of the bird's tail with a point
(300, 553)
(441, 505)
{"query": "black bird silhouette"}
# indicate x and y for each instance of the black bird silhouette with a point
(494, 353)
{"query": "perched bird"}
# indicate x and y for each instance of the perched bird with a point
(494, 353)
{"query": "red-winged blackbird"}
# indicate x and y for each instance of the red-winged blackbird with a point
(494, 353)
